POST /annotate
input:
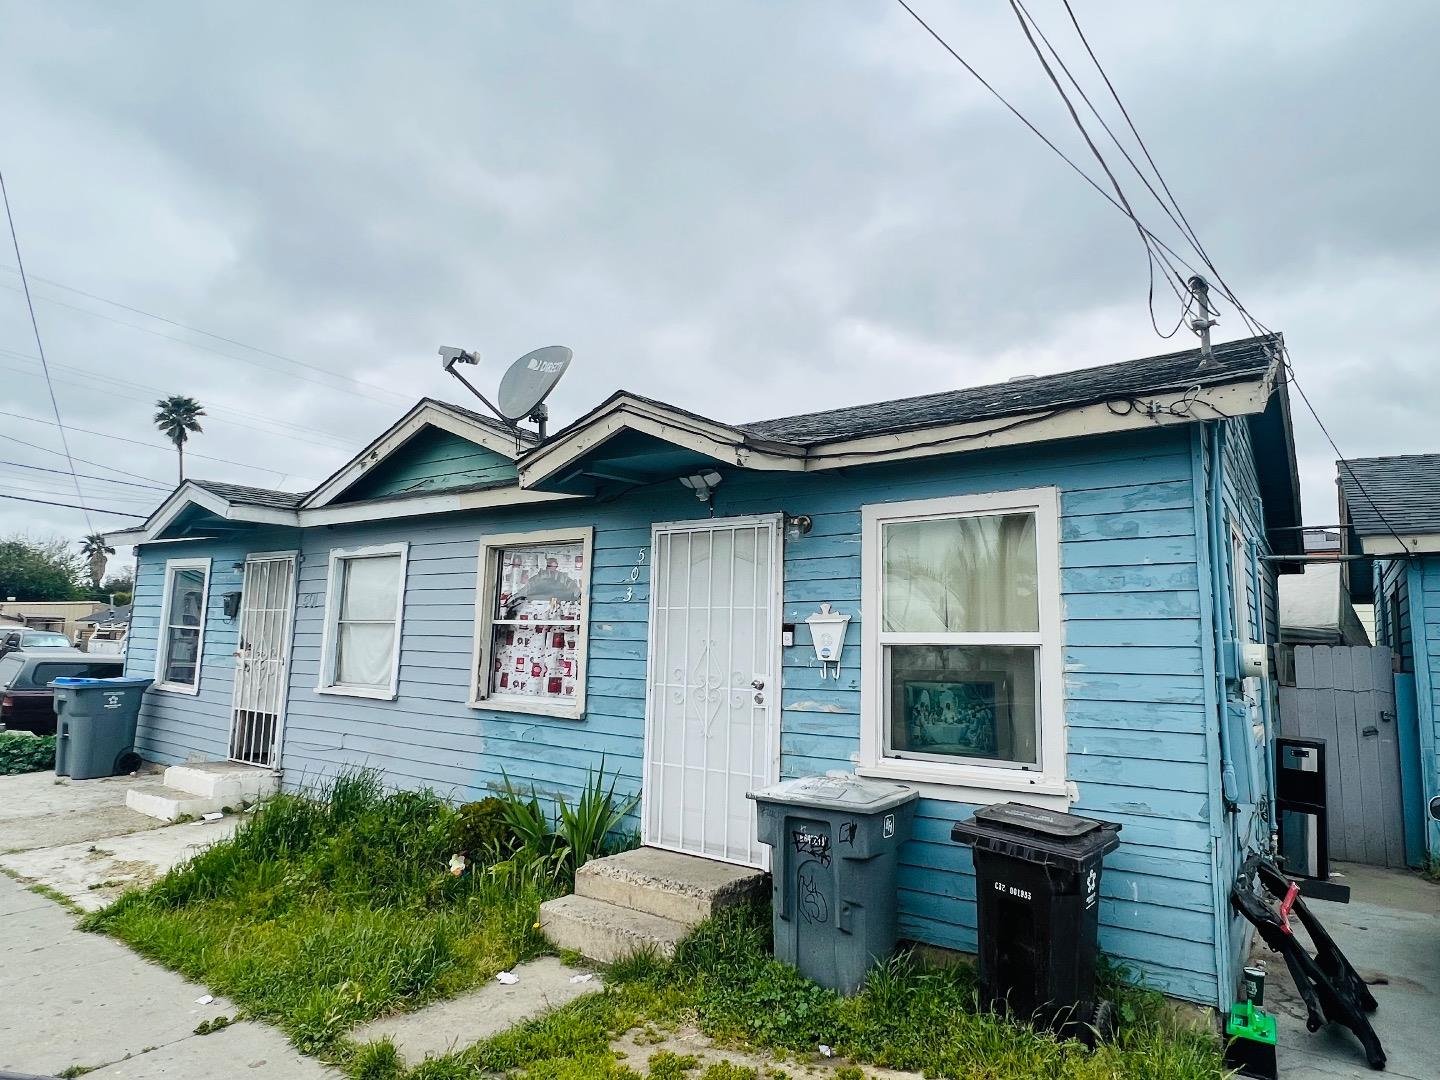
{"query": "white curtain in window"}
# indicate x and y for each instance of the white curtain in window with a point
(365, 629)
(961, 575)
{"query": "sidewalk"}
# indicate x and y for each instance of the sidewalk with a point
(82, 1000)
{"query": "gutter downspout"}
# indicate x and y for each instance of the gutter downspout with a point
(1221, 622)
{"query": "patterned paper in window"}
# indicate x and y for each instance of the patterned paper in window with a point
(536, 630)
(961, 575)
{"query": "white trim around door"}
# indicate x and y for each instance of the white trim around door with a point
(262, 658)
(712, 722)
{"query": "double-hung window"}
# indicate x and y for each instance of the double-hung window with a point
(961, 644)
(531, 623)
(182, 625)
(364, 602)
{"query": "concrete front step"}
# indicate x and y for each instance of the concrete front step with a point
(682, 888)
(605, 932)
(228, 780)
(154, 798)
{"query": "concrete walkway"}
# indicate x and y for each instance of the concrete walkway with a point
(82, 1000)
(37, 811)
(1390, 932)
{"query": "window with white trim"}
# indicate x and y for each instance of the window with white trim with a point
(961, 641)
(364, 605)
(531, 623)
(182, 625)
(1244, 627)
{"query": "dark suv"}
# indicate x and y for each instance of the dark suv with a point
(33, 641)
(27, 700)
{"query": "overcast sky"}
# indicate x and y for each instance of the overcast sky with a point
(747, 209)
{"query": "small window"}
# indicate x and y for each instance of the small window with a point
(182, 625)
(531, 623)
(363, 607)
(10, 667)
(960, 667)
(1240, 585)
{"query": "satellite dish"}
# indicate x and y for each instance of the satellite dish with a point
(529, 380)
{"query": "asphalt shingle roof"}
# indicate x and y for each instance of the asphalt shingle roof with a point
(108, 615)
(1069, 389)
(1406, 489)
(252, 496)
(525, 434)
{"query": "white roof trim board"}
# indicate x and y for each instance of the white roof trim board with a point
(427, 413)
(1116, 398)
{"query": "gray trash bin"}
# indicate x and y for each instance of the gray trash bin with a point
(95, 726)
(835, 843)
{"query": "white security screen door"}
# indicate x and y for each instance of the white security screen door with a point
(262, 658)
(712, 730)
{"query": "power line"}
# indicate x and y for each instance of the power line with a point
(83, 461)
(393, 394)
(73, 506)
(147, 445)
(40, 348)
(270, 427)
(87, 476)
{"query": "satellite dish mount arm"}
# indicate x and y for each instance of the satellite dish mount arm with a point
(452, 356)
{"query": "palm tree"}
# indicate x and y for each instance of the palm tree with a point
(95, 550)
(177, 416)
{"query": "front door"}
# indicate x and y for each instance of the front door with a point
(262, 658)
(712, 729)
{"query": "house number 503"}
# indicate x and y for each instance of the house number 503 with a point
(634, 576)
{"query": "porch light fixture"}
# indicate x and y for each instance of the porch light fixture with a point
(797, 525)
(703, 484)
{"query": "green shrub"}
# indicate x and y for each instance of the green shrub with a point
(480, 829)
(25, 753)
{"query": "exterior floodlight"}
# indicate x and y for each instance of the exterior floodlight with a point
(703, 484)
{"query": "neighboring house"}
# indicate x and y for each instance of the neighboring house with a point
(60, 616)
(105, 630)
(1315, 608)
(1047, 581)
(1391, 509)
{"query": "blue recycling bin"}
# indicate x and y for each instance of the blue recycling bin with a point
(95, 726)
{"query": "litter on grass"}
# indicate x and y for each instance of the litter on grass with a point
(509, 978)
(581, 978)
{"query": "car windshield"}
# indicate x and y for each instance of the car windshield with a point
(44, 640)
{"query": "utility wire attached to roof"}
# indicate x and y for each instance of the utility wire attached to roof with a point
(40, 348)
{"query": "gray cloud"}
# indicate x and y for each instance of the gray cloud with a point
(749, 209)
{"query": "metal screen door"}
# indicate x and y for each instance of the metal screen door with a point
(714, 686)
(262, 658)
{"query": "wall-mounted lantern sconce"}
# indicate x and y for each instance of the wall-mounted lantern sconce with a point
(797, 525)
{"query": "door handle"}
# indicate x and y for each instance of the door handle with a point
(759, 697)
(758, 683)
(1370, 731)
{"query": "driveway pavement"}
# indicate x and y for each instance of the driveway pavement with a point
(83, 1000)
(1390, 931)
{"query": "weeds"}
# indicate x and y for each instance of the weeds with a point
(322, 912)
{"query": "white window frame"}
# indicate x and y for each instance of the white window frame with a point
(1044, 783)
(330, 640)
(1242, 624)
(486, 601)
(162, 643)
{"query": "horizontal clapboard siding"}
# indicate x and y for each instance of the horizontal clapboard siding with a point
(1134, 677)
(191, 727)
(434, 460)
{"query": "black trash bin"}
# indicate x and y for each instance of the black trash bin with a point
(1037, 889)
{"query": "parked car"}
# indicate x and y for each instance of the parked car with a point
(27, 698)
(33, 641)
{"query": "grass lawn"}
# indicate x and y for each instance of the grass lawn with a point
(320, 914)
(724, 981)
(323, 913)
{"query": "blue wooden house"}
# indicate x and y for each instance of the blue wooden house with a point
(1047, 580)
(1390, 510)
